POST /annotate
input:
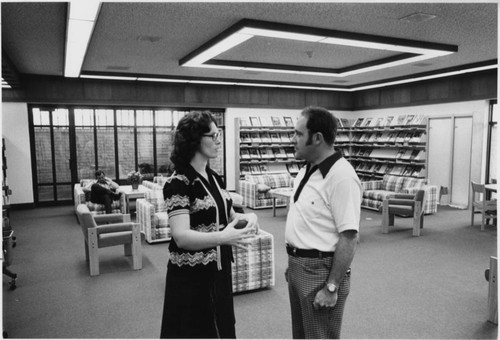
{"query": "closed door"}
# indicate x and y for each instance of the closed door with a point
(450, 143)
(439, 154)
(462, 145)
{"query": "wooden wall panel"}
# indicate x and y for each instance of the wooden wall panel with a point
(44, 89)
(248, 96)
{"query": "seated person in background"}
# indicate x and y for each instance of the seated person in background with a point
(103, 190)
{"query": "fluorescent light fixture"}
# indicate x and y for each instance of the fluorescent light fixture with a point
(298, 86)
(280, 34)
(433, 76)
(163, 80)
(91, 76)
(220, 47)
(409, 51)
(81, 19)
(5, 84)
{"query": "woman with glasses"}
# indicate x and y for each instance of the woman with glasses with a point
(198, 295)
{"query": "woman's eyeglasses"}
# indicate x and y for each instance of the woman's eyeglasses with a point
(214, 136)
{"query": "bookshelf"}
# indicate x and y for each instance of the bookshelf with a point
(265, 146)
(394, 145)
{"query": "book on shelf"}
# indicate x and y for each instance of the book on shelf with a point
(266, 153)
(254, 153)
(263, 168)
(255, 137)
(417, 137)
(398, 169)
(364, 137)
(382, 168)
(284, 137)
(389, 168)
(384, 153)
(400, 153)
(244, 169)
(358, 122)
(255, 169)
(377, 167)
(418, 172)
(345, 122)
(379, 122)
(288, 121)
(416, 154)
(266, 121)
(406, 154)
(282, 153)
(407, 171)
(346, 152)
(392, 137)
(291, 135)
(339, 122)
(410, 120)
(366, 122)
(367, 152)
(244, 154)
(245, 137)
(292, 168)
(408, 137)
(275, 137)
(400, 137)
(400, 121)
(388, 120)
(277, 121)
(373, 137)
(290, 152)
(419, 120)
(379, 137)
(255, 121)
(265, 137)
(245, 121)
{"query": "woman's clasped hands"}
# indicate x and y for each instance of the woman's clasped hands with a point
(240, 230)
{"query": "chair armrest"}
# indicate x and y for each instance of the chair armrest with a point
(408, 202)
(402, 196)
(111, 218)
(116, 227)
(249, 192)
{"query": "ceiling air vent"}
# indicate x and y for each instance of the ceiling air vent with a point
(418, 17)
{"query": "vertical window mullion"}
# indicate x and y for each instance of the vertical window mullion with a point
(53, 153)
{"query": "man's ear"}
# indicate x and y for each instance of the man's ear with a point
(318, 138)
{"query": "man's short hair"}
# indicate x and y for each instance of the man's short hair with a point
(99, 173)
(321, 120)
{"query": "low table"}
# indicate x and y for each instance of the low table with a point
(131, 195)
(284, 193)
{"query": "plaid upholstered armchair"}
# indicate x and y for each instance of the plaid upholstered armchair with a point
(82, 196)
(255, 189)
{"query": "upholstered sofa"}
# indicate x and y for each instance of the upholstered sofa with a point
(255, 189)
(152, 214)
(82, 196)
(374, 192)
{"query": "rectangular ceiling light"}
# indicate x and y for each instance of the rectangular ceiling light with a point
(91, 76)
(81, 19)
(409, 50)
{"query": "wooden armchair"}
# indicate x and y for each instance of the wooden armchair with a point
(488, 208)
(407, 205)
(108, 230)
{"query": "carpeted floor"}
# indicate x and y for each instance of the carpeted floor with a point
(425, 287)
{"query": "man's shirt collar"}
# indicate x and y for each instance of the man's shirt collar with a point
(325, 166)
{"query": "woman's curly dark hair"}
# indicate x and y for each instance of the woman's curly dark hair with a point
(187, 138)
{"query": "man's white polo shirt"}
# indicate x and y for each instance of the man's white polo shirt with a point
(329, 203)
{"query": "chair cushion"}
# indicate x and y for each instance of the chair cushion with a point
(160, 219)
(411, 182)
(393, 183)
(113, 239)
(263, 187)
(378, 195)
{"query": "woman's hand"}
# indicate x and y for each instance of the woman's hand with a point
(251, 219)
(237, 237)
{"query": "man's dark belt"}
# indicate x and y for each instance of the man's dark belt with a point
(312, 253)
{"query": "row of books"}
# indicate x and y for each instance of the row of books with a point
(257, 169)
(391, 169)
(268, 121)
(267, 153)
(389, 137)
(266, 137)
(409, 154)
(400, 120)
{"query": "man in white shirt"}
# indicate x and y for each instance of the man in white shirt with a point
(321, 229)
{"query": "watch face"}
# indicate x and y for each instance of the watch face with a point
(331, 287)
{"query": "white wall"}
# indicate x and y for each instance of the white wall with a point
(15, 131)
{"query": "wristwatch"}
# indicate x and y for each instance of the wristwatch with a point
(331, 287)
